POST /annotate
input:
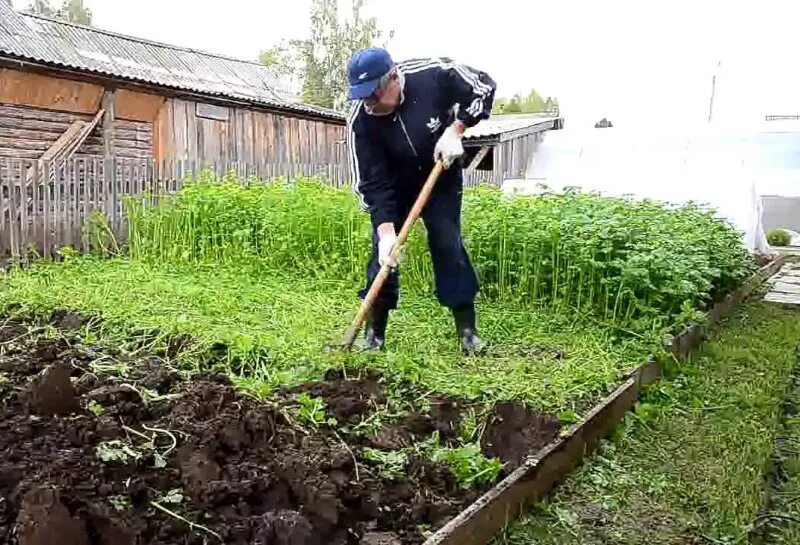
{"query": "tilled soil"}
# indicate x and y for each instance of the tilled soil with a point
(99, 450)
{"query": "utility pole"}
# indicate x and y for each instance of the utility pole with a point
(713, 91)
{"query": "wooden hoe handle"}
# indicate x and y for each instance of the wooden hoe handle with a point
(377, 284)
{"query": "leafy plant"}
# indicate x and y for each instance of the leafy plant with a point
(779, 237)
(95, 408)
(468, 464)
(311, 410)
(119, 502)
(174, 497)
(628, 262)
(391, 465)
(117, 451)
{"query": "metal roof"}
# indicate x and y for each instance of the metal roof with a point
(502, 127)
(88, 49)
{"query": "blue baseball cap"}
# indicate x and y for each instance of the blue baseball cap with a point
(365, 69)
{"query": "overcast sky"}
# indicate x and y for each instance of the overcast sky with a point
(635, 62)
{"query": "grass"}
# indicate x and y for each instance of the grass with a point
(688, 466)
(270, 329)
(784, 501)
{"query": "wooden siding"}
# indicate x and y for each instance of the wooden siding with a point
(135, 106)
(248, 136)
(37, 90)
(513, 157)
(28, 132)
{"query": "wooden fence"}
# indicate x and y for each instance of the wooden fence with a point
(44, 207)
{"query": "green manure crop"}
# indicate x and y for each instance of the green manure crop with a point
(641, 264)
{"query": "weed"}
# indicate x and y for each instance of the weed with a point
(311, 410)
(119, 502)
(391, 465)
(95, 408)
(109, 366)
(173, 497)
(117, 451)
(468, 464)
(3, 378)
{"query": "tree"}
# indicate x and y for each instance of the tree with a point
(513, 107)
(42, 7)
(318, 63)
(71, 11)
(530, 104)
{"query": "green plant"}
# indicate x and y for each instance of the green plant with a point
(95, 408)
(625, 261)
(779, 237)
(391, 465)
(119, 503)
(174, 497)
(311, 410)
(117, 451)
(468, 464)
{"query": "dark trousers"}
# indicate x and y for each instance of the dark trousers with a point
(455, 279)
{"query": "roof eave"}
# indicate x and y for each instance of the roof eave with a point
(18, 61)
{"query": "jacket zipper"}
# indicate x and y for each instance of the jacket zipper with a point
(408, 138)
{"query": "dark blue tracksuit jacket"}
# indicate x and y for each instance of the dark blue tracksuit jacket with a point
(392, 156)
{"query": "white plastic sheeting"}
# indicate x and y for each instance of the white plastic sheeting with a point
(726, 170)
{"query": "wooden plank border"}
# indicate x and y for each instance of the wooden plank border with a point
(479, 523)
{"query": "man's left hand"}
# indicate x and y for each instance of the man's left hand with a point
(449, 147)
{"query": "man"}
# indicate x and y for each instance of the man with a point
(404, 117)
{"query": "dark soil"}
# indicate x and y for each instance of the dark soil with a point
(515, 432)
(241, 471)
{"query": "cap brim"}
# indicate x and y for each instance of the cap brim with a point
(363, 90)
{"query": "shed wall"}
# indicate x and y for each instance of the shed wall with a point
(27, 133)
(205, 133)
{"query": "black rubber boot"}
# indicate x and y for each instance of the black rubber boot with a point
(471, 344)
(375, 330)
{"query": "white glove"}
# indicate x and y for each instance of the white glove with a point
(387, 238)
(449, 147)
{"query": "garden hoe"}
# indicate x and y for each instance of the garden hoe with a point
(377, 284)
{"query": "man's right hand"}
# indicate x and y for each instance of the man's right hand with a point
(387, 238)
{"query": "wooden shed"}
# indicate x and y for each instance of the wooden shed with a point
(503, 146)
(66, 88)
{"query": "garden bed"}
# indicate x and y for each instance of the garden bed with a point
(103, 449)
(208, 333)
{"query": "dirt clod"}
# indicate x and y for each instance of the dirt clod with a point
(52, 392)
(44, 520)
(514, 432)
(286, 528)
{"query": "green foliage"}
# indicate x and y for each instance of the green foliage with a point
(690, 461)
(116, 451)
(268, 327)
(779, 237)
(634, 263)
(95, 408)
(311, 411)
(391, 465)
(119, 503)
(319, 62)
(468, 464)
(533, 103)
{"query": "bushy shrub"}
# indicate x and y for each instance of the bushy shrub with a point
(779, 237)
